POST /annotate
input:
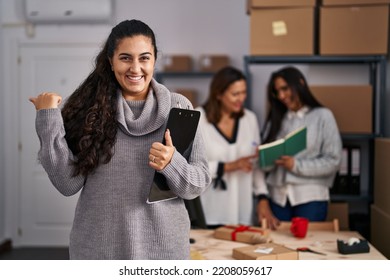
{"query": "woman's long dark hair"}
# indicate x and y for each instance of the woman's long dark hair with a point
(298, 85)
(89, 114)
(220, 82)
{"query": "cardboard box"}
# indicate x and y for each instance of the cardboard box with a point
(282, 31)
(380, 230)
(354, 30)
(190, 94)
(281, 3)
(245, 234)
(351, 106)
(259, 252)
(277, 4)
(382, 174)
(340, 211)
(353, 2)
(177, 63)
(212, 63)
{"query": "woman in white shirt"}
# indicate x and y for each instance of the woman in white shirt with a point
(231, 135)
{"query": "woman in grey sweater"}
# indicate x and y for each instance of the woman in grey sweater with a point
(107, 142)
(299, 185)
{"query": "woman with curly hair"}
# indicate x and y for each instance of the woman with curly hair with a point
(106, 142)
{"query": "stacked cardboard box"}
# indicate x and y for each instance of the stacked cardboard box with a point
(354, 27)
(335, 27)
(282, 27)
(380, 210)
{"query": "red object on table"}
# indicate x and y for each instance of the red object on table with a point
(299, 226)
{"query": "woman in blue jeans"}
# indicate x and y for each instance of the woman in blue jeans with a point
(299, 185)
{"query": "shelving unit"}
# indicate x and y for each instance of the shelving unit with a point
(377, 75)
(377, 79)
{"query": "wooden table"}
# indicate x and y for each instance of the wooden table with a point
(208, 247)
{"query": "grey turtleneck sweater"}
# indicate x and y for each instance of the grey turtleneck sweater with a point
(112, 219)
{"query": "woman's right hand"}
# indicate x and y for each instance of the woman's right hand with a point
(46, 100)
(264, 212)
(244, 164)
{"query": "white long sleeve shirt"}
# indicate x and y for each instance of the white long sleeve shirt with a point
(235, 204)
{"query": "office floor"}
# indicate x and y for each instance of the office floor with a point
(35, 253)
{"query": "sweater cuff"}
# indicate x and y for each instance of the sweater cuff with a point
(220, 169)
(261, 197)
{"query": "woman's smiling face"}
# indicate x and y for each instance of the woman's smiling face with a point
(285, 94)
(133, 64)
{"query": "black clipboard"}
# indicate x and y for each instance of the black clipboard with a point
(182, 124)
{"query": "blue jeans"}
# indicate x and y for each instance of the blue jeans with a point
(314, 211)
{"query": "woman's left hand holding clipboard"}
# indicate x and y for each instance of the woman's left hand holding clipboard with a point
(160, 155)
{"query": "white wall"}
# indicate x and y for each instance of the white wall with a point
(182, 26)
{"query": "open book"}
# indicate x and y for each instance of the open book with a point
(290, 145)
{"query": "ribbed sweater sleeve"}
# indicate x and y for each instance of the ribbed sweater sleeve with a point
(54, 154)
(328, 156)
(189, 179)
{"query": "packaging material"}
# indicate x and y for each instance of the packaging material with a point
(380, 230)
(268, 251)
(245, 234)
(177, 63)
(351, 106)
(213, 62)
(353, 2)
(382, 174)
(190, 94)
(354, 30)
(282, 31)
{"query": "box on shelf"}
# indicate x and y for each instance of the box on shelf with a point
(277, 3)
(282, 31)
(382, 174)
(380, 230)
(268, 251)
(354, 30)
(212, 62)
(245, 234)
(351, 106)
(177, 63)
(281, 3)
(190, 94)
(352, 2)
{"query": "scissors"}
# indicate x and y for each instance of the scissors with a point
(305, 249)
